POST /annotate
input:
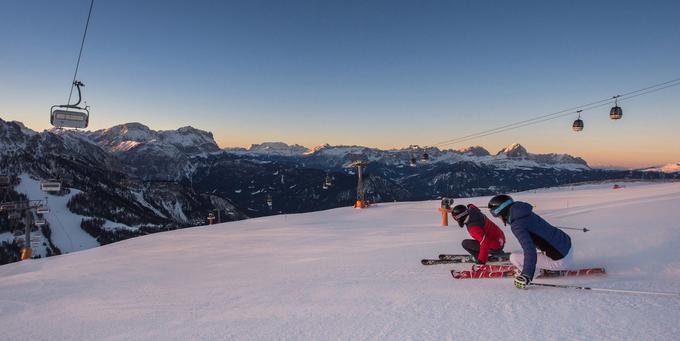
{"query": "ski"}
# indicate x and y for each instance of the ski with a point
(501, 257)
(457, 259)
(437, 261)
(470, 274)
(494, 267)
(569, 273)
(503, 270)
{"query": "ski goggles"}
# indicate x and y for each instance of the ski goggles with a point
(497, 211)
(460, 216)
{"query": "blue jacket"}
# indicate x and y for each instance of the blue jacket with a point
(533, 232)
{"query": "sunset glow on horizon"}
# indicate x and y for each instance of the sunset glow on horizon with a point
(376, 74)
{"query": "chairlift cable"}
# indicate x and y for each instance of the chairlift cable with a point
(82, 44)
(562, 113)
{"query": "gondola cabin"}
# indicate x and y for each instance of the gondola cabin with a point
(413, 162)
(578, 125)
(616, 113)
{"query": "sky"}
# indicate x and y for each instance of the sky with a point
(384, 74)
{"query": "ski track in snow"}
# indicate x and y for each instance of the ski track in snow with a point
(356, 274)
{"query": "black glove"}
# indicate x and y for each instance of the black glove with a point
(522, 281)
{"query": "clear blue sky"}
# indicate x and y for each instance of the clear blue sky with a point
(375, 73)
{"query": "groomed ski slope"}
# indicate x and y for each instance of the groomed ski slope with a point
(356, 274)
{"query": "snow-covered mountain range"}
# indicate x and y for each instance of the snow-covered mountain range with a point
(668, 168)
(130, 180)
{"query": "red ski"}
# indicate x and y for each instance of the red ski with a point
(501, 271)
(575, 272)
(494, 267)
(468, 274)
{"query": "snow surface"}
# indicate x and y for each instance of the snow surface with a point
(356, 274)
(65, 225)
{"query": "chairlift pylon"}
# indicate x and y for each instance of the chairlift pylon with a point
(270, 201)
(616, 112)
(327, 183)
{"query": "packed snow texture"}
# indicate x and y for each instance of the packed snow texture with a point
(356, 274)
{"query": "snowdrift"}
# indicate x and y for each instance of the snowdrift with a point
(356, 274)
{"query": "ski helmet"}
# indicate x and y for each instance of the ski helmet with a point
(459, 213)
(498, 205)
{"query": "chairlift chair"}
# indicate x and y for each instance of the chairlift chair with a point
(5, 180)
(10, 206)
(42, 209)
(50, 185)
(70, 115)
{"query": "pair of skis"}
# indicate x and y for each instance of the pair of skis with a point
(509, 270)
(498, 267)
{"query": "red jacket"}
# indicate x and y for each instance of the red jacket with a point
(483, 230)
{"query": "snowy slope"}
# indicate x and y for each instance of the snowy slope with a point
(65, 225)
(355, 274)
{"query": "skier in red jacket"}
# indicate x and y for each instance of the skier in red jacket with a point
(488, 238)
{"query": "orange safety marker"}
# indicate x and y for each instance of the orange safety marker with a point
(26, 253)
(445, 215)
(361, 204)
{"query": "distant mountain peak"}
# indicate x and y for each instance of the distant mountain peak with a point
(514, 150)
(278, 148)
(474, 151)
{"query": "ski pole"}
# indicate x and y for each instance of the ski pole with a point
(573, 228)
(606, 290)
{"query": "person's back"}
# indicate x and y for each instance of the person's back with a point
(541, 235)
(488, 237)
(532, 232)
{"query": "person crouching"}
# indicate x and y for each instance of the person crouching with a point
(533, 233)
(488, 238)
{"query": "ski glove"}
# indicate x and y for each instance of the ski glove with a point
(522, 281)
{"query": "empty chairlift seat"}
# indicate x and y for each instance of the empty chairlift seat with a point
(5, 180)
(42, 209)
(50, 186)
(66, 117)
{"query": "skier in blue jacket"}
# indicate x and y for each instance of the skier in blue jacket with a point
(533, 233)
